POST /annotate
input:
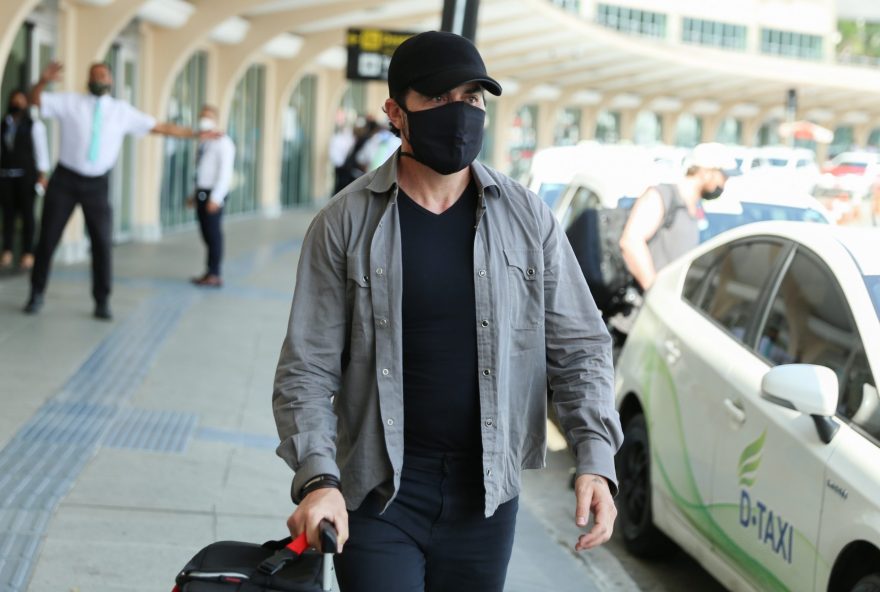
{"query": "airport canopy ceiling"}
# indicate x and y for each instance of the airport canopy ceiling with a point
(541, 52)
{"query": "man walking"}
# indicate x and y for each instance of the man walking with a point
(24, 162)
(93, 127)
(214, 167)
(434, 300)
(665, 220)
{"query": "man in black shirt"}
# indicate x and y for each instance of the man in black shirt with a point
(24, 160)
(480, 302)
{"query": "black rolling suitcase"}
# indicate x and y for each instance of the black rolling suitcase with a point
(275, 566)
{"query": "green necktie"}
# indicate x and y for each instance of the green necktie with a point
(95, 143)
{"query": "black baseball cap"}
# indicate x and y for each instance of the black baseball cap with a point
(435, 62)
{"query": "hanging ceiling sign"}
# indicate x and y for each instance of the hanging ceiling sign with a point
(369, 52)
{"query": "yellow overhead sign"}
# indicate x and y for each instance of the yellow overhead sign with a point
(370, 51)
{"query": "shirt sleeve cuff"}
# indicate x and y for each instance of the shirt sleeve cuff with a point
(311, 468)
(596, 457)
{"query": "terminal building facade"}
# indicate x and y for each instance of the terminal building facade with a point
(646, 71)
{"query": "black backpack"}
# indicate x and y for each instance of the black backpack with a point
(275, 566)
(595, 239)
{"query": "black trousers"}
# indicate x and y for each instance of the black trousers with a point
(17, 197)
(212, 231)
(433, 537)
(66, 190)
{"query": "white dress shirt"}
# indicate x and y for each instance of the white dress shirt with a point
(75, 113)
(340, 145)
(41, 146)
(216, 163)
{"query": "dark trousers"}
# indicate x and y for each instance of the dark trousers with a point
(17, 197)
(212, 232)
(66, 190)
(433, 537)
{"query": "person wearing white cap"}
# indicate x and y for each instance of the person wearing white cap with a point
(665, 220)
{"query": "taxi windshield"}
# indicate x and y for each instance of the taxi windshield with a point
(873, 283)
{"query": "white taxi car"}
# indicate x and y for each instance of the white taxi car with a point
(751, 413)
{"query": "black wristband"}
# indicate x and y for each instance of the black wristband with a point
(319, 482)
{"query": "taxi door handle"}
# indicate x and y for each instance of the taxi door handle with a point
(735, 410)
(673, 353)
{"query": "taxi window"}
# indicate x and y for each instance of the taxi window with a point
(698, 271)
(735, 282)
(582, 200)
(809, 322)
(859, 398)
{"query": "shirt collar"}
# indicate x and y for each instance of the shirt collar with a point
(386, 177)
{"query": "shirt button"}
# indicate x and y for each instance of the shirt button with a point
(484, 323)
(487, 372)
(489, 423)
(379, 271)
(482, 273)
(530, 271)
(366, 279)
(385, 371)
(488, 472)
(390, 421)
(383, 322)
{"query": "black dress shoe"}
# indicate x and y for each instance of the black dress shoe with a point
(102, 311)
(34, 304)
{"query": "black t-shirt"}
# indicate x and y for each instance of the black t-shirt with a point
(441, 402)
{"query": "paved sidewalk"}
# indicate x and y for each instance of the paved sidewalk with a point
(127, 446)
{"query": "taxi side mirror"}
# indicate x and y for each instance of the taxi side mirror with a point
(806, 388)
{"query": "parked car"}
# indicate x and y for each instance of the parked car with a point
(751, 413)
(852, 172)
(554, 169)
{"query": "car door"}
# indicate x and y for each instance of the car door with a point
(851, 509)
(770, 461)
(689, 357)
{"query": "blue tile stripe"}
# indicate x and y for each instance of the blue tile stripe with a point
(41, 462)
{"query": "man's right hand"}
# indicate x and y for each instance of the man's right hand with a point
(319, 505)
(52, 73)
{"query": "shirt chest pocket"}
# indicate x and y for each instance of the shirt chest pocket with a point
(361, 306)
(525, 288)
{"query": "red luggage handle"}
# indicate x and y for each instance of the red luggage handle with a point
(298, 546)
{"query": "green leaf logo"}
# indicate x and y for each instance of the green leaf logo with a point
(750, 460)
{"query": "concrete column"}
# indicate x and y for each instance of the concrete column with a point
(861, 132)
(589, 118)
(673, 28)
(669, 127)
(375, 95)
(213, 94)
(269, 199)
(548, 116)
(146, 214)
(710, 127)
(750, 129)
(503, 118)
(628, 125)
(326, 83)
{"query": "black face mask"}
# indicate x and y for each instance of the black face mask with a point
(713, 194)
(446, 139)
(15, 110)
(98, 88)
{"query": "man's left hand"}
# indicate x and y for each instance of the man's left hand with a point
(212, 207)
(594, 497)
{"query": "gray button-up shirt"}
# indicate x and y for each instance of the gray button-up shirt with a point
(338, 397)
